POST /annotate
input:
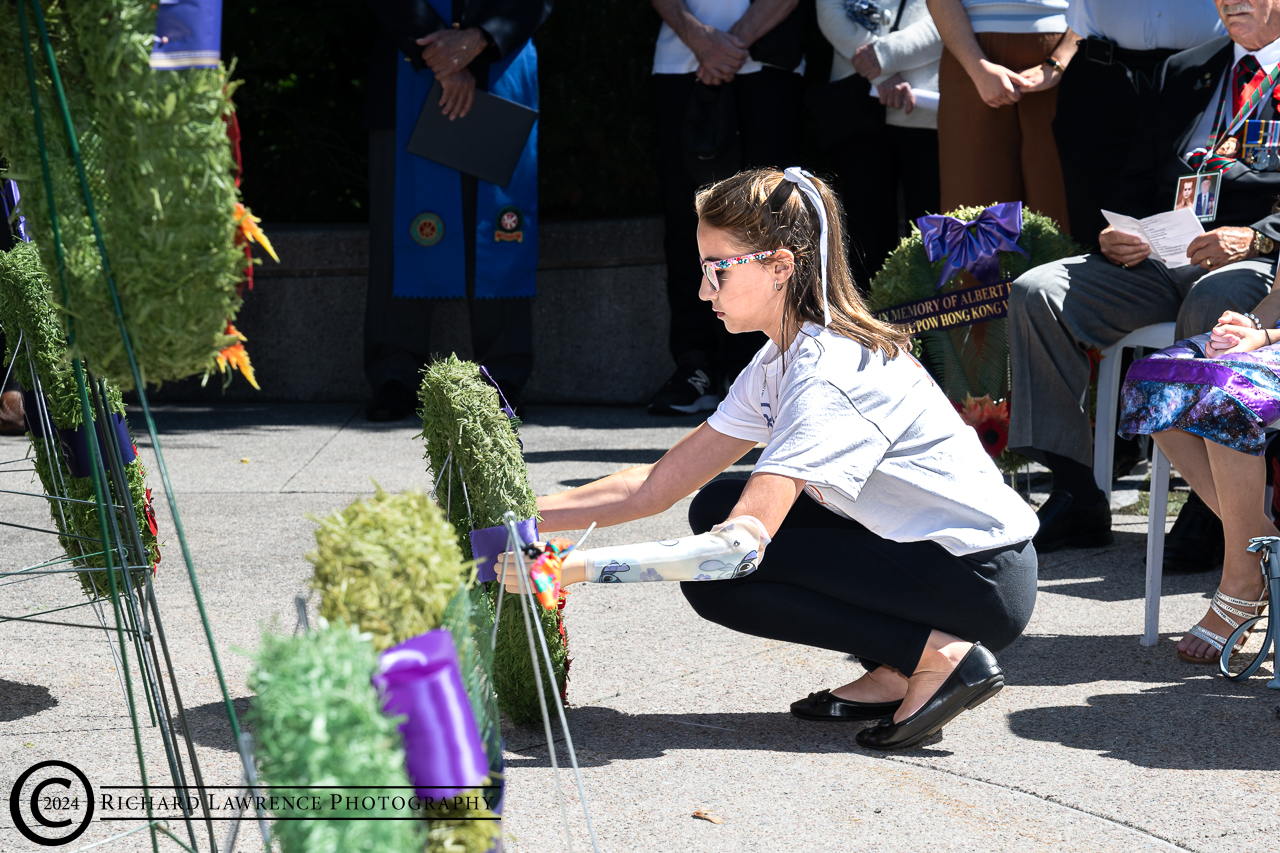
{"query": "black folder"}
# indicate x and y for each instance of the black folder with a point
(486, 142)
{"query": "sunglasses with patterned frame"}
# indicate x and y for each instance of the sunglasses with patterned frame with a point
(709, 267)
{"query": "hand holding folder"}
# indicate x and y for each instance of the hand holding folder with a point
(486, 142)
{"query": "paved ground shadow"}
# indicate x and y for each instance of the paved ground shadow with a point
(1046, 661)
(209, 726)
(18, 700)
(1115, 573)
(1189, 726)
(604, 735)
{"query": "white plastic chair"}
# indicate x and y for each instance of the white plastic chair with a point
(1157, 336)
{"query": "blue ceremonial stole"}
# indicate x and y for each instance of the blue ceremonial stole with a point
(430, 255)
(188, 35)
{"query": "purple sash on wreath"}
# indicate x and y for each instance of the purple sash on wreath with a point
(420, 679)
(488, 542)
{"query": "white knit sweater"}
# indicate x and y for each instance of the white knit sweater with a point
(912, 51)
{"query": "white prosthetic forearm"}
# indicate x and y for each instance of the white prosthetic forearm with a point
(730, 552)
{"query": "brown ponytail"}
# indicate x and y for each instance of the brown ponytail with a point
(763, 211)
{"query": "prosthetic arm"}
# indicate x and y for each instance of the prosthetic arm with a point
(731, 551)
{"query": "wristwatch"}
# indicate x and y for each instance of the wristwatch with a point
(1262, 244)
(1054, 64)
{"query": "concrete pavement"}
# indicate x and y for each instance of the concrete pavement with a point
(1096, 744)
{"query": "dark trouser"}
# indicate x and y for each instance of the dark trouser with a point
(1099, 107)
(1057, 311)
(829, 582)
(872, 166)
(697, 337)
(397, 331)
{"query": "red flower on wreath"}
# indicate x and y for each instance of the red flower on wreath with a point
(990, 420)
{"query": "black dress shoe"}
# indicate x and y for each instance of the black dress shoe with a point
(393, 402)
(1064, 523)
(1196, 543)
(828, 708)
(974, 681)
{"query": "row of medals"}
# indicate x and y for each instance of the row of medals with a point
(1261, 145)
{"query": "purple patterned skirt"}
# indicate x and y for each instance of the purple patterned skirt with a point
(1228, 400)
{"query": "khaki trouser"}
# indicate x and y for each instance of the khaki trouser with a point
(991, 155)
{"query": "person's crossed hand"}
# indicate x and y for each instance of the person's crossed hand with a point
(448, 53)
(1236, 333)
(999, 86)
(720, 56)
(865, 61)
(895, 93)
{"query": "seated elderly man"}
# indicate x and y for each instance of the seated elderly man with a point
(1203, 97)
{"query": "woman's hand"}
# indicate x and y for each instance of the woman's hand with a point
(1236, 333)
(997, 85)
(507, 567)
(895, 93)
(865, 62)
(1041, 77)
(1123, 249)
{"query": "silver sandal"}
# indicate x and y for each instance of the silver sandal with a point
(1225, 607)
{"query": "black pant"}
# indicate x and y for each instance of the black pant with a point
(1099, 107)
(768, 138)
(397, 330)
(872, 166)
(829, 582)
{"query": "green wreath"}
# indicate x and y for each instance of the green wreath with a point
(969, 362)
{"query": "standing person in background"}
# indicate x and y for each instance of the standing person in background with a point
(1102, 94)
(722, 70)
(901, 152)
(435, 232)
(1003, 59)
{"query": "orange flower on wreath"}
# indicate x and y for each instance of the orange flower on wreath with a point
(989, 419)
(237, 357)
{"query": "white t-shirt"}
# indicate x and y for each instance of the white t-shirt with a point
(672, 56)
(876, 440)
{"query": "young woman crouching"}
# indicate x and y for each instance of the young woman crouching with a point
(874, 523)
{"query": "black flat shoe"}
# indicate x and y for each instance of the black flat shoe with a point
(974, 681)
(828, 708)
(1064, 523)
(1196, 542)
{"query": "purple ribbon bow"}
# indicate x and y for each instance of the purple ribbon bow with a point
(975, 245)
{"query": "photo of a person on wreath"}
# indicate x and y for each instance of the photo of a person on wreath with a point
(918, 559)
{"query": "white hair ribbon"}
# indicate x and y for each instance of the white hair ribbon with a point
(800, 178)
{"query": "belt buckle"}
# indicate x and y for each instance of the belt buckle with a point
(1099, 50)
